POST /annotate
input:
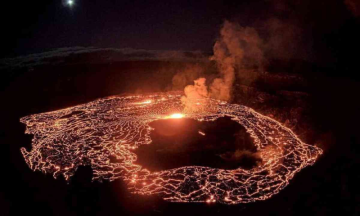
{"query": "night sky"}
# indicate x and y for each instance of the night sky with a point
(310, 83)
(325, 31)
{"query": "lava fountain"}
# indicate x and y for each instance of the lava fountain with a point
(113, 127)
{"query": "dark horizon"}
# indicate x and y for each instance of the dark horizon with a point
(323, 32)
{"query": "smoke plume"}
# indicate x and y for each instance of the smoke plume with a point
(194, 93)
(238, 53)
(238, 50)
(187, 75)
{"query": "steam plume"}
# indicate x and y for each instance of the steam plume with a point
(193, 93)
(237, 51)
(186, 75)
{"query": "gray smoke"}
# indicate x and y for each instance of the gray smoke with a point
(238, 52)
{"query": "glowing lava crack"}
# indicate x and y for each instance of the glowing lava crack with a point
(92, 133)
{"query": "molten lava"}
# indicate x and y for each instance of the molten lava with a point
(93, 133)
(175, 116)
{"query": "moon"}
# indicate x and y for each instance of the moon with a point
(70, 2)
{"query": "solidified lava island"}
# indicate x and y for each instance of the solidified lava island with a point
(106, 134)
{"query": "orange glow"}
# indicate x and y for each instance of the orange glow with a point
(146, 102)
(92, 133)
(177, 116)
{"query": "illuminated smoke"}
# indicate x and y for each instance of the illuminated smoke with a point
(195, 93)
(237, 53)
(186, 75)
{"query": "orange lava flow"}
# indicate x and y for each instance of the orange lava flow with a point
(91, 133)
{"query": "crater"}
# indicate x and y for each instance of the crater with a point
(222, 143)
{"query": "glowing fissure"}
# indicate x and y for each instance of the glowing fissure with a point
(91, 133)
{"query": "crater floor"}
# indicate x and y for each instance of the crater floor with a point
(113, 135)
